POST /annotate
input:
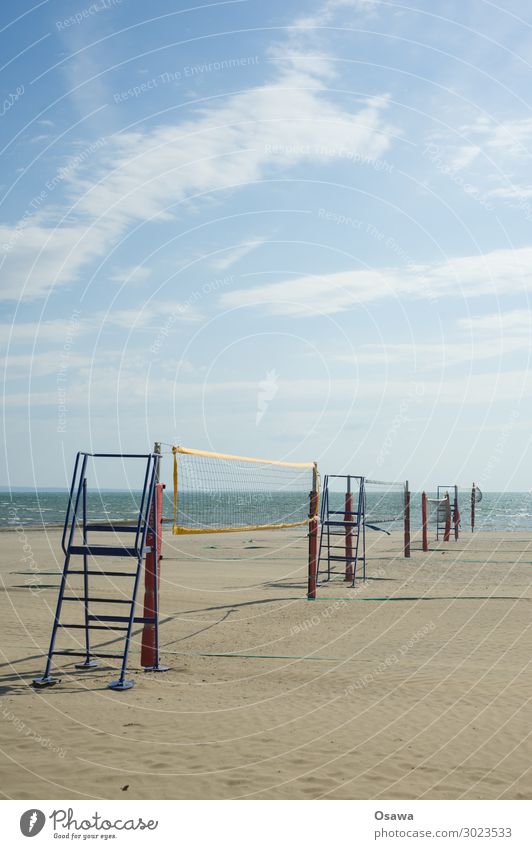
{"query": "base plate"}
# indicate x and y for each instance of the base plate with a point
(47, 681)
(87, 664)
(121, 685)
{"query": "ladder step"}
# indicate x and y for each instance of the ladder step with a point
(95, 526)
(91, 627)
(98, 600)
(102, 573)
(342, 512)
(343, 558)
(104, 550)
(139, 619)
(84, 654)
(336, 522)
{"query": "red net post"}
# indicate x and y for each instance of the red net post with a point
(313, 537)
(348, 519)
(424, 521)
(456, 514)
(149, 652)
(407, 521)
(447, 531)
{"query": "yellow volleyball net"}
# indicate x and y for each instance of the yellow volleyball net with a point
(219, 493)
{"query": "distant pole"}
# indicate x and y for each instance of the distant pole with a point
(313, 536)
(456, 513)
(407, 521)
(348, 519)
(447, 531)
(424, 521)
(473, 508)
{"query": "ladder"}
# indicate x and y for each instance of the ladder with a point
(75, 526)
(343, 533)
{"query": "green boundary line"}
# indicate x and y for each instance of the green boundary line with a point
(252, 656)
(426, 598)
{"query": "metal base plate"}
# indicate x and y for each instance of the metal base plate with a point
(47, 681)
(157, 668)
(121, 685)
(87, 664)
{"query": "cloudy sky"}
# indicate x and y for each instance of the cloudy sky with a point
(292, 230)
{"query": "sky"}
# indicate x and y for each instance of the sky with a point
(298, 231)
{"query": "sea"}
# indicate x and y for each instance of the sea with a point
(497, 511)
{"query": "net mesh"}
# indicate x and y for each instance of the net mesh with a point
(217, 493)
(438, 511)
(384, 501)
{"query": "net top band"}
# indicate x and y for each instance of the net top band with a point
(180, 449)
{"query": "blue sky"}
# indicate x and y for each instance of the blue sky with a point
(294, 230)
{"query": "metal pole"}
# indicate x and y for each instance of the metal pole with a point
(88, 663)
(313, 536)
(407, 520)
(456, 513)
(348, 519)
(447, 531)
(425, 521)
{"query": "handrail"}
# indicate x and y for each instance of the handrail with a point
(76, 505)
(147, 496)
(72, 506)
(142, 501)
(69, 506)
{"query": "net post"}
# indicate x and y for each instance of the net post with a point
(313, 536)
(348, 517)
(407, 521)
(447, 531)
(149, 655)
(473, 507)
(157, 450)
(424, 521)
(456, 514)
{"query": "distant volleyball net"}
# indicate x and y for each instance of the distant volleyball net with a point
(385, 504)
(220, 493)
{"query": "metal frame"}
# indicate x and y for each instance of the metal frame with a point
(345, 528)
(77, 495)
(455, 514)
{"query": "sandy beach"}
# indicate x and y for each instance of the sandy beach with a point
(416, 684)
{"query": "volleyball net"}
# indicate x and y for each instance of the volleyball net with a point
(220, 493)
(385, 503)
(436, 518)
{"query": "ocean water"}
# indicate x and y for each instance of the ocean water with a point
(498, 511)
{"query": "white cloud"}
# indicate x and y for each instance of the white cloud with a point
(144, 175)
(25, 331)
(512, 192)
(232, 256)
(463, 156)
(426, 356)
(131, 274)
(499, 273)
(514, 322)
(40, 364)
(153, 314)
(34, 257)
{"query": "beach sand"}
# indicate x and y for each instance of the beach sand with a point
(417, 684)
